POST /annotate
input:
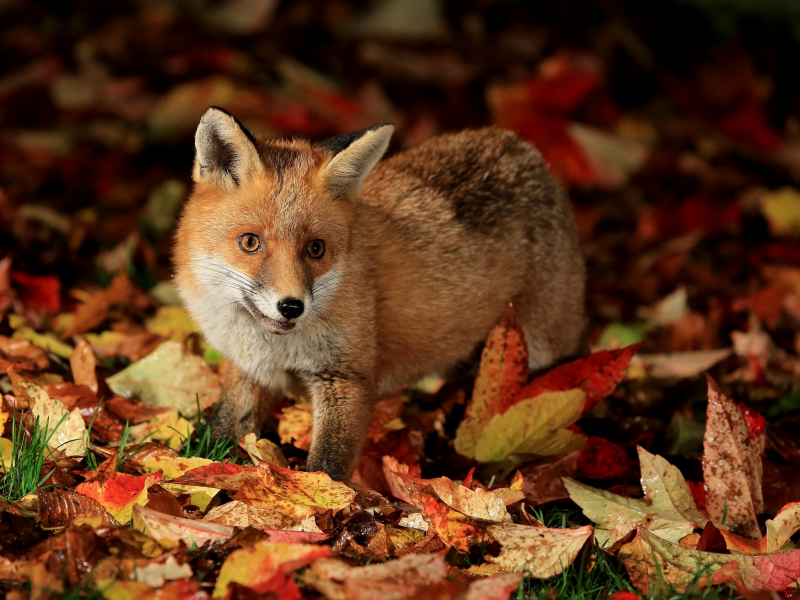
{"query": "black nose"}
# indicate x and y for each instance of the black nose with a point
(291, 308)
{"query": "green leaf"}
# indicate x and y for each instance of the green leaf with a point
(533, 426)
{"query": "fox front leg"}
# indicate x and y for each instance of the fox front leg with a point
(238, 410)
(342, 404)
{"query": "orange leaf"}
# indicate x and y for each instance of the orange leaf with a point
(503, 371)
(120, 493)
(83, 364)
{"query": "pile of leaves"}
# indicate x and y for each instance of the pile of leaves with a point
(664, 464)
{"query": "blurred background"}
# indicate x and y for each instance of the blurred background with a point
(673, 125)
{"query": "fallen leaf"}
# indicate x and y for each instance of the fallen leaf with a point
(140, 590)
(646, 568)
(83, 364)
(295, 426)
(173, 466)
(256, 567)
(540, 551)
(93, 312)
(157, 572)
(239, 514)
(454, 528)
(476, 504)
(615, 516)
(168, 377)
(59, 507)
(598, 375)
(120, 493)
(167, 427)
(731, 466)
(503, 370)
(66, 431)
(37, 292)
(169, 530)
(666, 490)
(45, 341)
(171, 322)
(263, 451)
(680, 364)
(533, 426)
(781, 209)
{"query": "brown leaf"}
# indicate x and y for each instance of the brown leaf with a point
(93, 312)
(543, 478)
(83, 364)
(731, 465)
(59, 507)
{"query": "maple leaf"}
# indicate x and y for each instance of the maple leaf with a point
(668, 506)
(731, 465)
(540, 551)
(775, 571)
(264, 566)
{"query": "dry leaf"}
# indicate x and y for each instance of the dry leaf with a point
(168, 530)
(239, 514)
(263, 451)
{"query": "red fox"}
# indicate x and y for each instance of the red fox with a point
(313, 267)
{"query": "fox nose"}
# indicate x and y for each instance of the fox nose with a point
(291, 308)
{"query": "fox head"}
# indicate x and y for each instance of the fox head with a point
(268, 222)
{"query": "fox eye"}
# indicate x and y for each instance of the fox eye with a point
(249, 242)
(316, 249)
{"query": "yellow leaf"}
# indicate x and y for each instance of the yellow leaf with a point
(167, 427)
(171, 322)
(175, 466)
(6, 454)
(45, 341)
(263, 451)
(258, 563)
(533, 426)
(478, 504)
(66, 431)
(781, 209)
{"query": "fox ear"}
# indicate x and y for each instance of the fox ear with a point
(354, 156)
(225, 150)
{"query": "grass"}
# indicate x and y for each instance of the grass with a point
(91, 459)
(606, 575)
(25, 475)
(201, 445)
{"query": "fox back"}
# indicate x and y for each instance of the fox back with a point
(313, 269)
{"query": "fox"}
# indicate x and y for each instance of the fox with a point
(315, 268)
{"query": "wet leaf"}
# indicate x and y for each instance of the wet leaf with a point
(731, 466)
(540, 551)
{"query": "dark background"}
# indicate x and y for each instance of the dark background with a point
(99, 100)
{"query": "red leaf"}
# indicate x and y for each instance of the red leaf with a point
(602, 459)
(598, 375)
(38, 292)
(698, 493)
(711, 540)
(756, 423)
